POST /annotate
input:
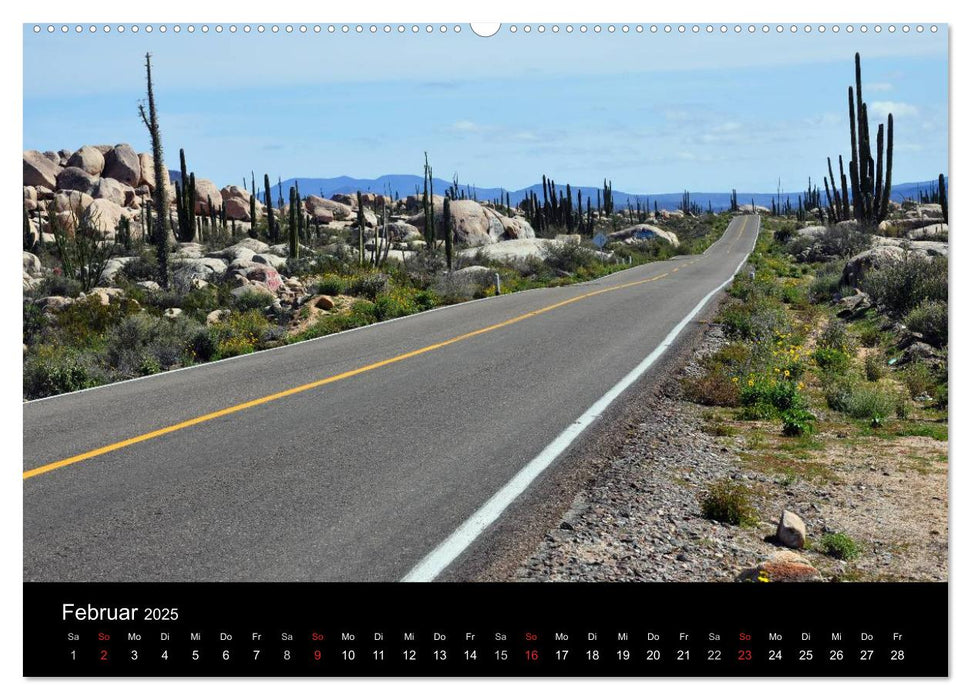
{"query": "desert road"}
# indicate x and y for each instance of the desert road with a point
(377, 454)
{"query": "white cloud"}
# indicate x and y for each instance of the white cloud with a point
(467, 127)
(898, 109)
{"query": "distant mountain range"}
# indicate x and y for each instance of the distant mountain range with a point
(403, 185)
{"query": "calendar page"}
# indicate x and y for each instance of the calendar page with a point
(517, 349)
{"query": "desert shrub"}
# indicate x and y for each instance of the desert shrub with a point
(252, 299)
(797, 422)
(767, 397)
(728, 501)
(873, 368)
(758, 319)
(395, 303)
(919, 379)
(827, 286)
(793, 294)
(714, 388)
(839, 546)
(841, 242)
(58, 286)
(940, 397)
(902, 285)
(838, 392)
(784, 233)
(453, 290)
(331, 285)
(569, 257)
(831, 360)
(871, 403)
(369, 285)
(144, 344)
(870, 335)
(143, 267)
(929, 318)
(239, 334)
(52, 369)
(835, 335)
(85, 322)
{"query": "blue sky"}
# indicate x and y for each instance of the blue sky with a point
(652, 112)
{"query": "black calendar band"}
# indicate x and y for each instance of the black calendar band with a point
(448, 629)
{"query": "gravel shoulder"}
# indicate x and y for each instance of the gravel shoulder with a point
(638, 517)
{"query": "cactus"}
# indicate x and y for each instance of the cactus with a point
(428, 205)
(942, 195)
(360, 229)
(447, 233)
(869, 184)
(159, 232)
(185, 202)
(270, 218)
(252, 212)
(293, 230)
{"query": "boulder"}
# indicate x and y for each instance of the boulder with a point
(71, 201)
(32, 264)
(322, 302)
(146, 171)
(782, 567)
(269, 259)
(919, 352)
(402, 231)
(54, 304)
(73, 178)
(791, 530)
(149, 285)
(112, 268)
(250, 244)
(853, 305)
(236, 201)
(476, 275)
(317, 206)
(30, 198)
(206, 190)
(472, 224)
(645, 232)
(104, 215)
(112, 190)
(930, 248)
(871, 259)
(89, 159)
(571, 238)
(217, 316)
(513, 250)
(514, 227)
(172, 313)
(934, 232)
(265, 274)
(122, 164)
(39, 170)
(185, 272)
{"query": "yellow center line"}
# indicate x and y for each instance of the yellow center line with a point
(37, 471)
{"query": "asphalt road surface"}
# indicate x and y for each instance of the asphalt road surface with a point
(347, 458)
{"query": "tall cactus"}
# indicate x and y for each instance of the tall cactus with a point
(268, 200)
(159, 231)
(870, 181)
(252, 212)
(942, 195)
(185, 202)
(293, 231)
(428, 205)
(360, 229)
(447, 232)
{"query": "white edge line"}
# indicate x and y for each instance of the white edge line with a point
(445, 553)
